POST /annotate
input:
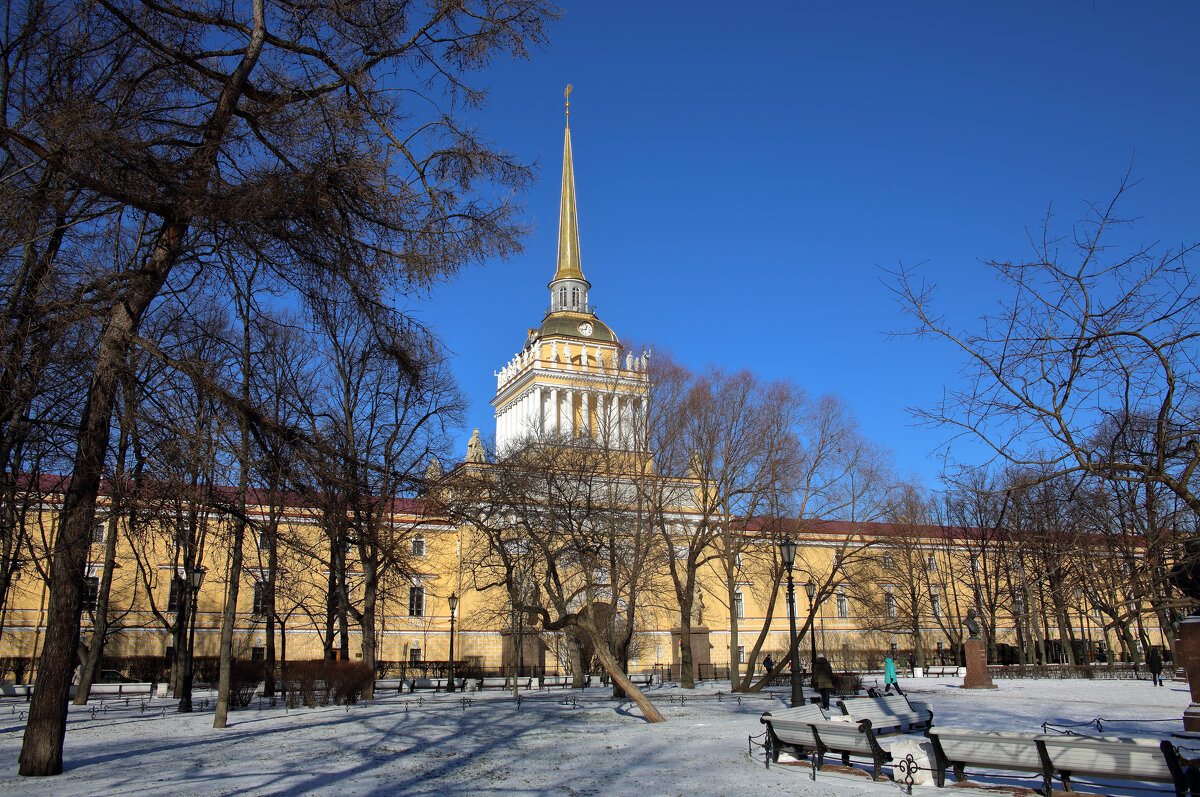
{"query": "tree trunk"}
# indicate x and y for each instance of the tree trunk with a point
(734, 661)
(271, 667)
(42, 745)
(367, 623)
(575, 656)
(229, 615)
(614, 670)
(91, 664)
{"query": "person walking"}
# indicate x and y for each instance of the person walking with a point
(768, 664)
(1155, 666)
(889, 677)
(912, 664)
(823, 679)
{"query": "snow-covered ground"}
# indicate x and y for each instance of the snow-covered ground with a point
(554, 742)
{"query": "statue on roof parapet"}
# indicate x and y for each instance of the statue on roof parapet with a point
(475, 453)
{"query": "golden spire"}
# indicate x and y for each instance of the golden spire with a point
(568, 223)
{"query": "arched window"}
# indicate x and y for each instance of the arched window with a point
(562, 297)
(574, 297)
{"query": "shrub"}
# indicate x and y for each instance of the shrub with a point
(847, 683)
(315, 683)
(140, 668)
(347, 680)
(244, 678)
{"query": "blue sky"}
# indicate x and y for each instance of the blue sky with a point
(744, 170)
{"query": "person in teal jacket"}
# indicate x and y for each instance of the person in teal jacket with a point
(889, 677)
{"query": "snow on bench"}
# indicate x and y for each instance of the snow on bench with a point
(505, 683)
(805, 730)
(941, 671)
(1107, 757)
(1100, 758)
(893, 714)
(963, 747)
(847, 739)
(791, 728)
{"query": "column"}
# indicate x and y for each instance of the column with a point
(567, 427)
(552, 412)
(585, 414)
(539, 419)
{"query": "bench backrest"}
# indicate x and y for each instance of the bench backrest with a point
(793, 725)
(1101, 756)
(999, 749)
(884, 712)
(843, 737)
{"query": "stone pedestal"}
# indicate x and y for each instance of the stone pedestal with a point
(1189, 635)
(977, 676)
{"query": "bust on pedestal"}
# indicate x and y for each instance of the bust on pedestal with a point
(975, 651)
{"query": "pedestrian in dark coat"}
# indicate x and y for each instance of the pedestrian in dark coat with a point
(823, 679)
(1154, 664)
(768, 664)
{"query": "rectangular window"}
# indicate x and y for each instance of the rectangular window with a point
(600, 576)
(843, 604)
(739, 607)
(98, 531)
(931, 563)
(264, 541)
(889, 562)
(975, 564)
(935, 604)
(416, 603)
(91, 590)
(418, 546)
(259, 608)
(891, 604)
(258, 654)
(414, 655)
(173, 595)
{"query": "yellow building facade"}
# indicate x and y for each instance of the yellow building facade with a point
(570, 379)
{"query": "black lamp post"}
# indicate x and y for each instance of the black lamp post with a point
(810, 588)
(453, 601)
(787, 552)
(193, 582)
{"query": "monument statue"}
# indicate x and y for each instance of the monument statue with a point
(475, 452)
(972, 624)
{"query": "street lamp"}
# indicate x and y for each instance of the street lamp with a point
(193, 581)
(810, 588)
(453, 601)
(787, 552)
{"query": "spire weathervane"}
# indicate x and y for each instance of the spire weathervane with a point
(567, 96)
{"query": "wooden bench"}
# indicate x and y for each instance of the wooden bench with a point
(505, 683)
(892, 714)
(432, 684)
(1114, 758)
(962, 747)
(790, 728)
(1103, 758)
(941, 671)
(847, 739)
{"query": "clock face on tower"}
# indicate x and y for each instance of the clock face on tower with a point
(585, 329)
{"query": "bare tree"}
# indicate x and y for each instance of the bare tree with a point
(558, 509)
(1090, 342)
(278, 130)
